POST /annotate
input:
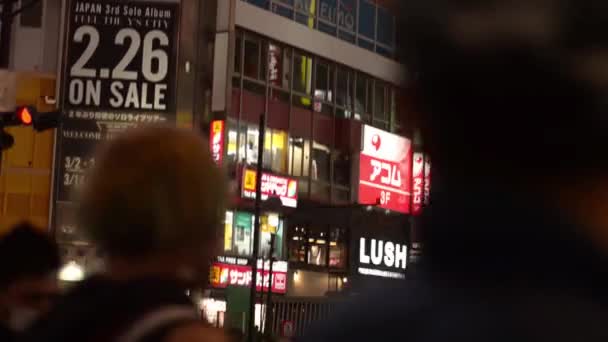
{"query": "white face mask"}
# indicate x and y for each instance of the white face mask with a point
(21, 318)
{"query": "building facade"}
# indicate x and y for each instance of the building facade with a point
(324, 77)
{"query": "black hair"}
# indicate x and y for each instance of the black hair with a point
(26, 251)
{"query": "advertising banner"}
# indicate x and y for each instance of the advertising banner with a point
(286, 189)
(418, 183)
(231, 271)
(385, 170)
(380, 252)
(119, 72)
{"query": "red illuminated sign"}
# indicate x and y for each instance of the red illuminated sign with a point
(216, 141)
(224, 275)
(286, 189)
(385, 170)
(418, 184)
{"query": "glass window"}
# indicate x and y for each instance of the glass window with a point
(298, 244)
(320, 168)
(380, 110)
(305, 12)
(252, 59)
(347, 15)
(341, 168)
(270, 224)
(324, 82)
(337, 248)
(228, 223)
(302, 70)
(361, 95)
(231, 147)
(366, 44)
(327, 11)
(243, 234)
(367, 19)
(386, 27)
(316, 245)
(283, 8)
(275, 150)
(248, 144)
(347, 36)
(278, 65)
(299, 156)
(260, 3)
(344, 91)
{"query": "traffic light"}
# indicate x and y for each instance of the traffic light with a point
(28, 116)
(25, 116)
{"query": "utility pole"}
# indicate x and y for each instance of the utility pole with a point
(256, 228)
(6, 32)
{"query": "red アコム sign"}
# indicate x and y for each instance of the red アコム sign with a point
(385, 170)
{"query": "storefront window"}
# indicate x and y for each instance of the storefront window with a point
(228, 231)
(271, 224)
(238, 234)
(318, 245)
(275, 148)
(299, 155)
(337, 247)
(243, 234)
(231, 146)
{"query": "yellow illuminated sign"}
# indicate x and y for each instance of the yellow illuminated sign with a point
(249, 180)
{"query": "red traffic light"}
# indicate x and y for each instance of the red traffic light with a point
(24, 115)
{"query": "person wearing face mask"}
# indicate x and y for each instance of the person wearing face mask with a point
(29, 260)
(153, 204)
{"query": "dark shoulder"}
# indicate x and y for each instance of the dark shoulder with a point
(196, 332)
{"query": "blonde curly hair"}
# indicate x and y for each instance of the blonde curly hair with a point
(153, 190)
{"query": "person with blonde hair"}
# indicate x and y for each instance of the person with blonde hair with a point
(153, 204)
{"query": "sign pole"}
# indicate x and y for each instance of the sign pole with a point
(268, 322)
(256, 228)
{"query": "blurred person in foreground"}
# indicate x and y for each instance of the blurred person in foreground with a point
(153, 204)
(29, 260)
(512, 97)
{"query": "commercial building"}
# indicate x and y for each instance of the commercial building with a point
(325, 77)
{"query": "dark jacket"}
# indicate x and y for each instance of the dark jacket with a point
(495, 268)
(102, 310)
